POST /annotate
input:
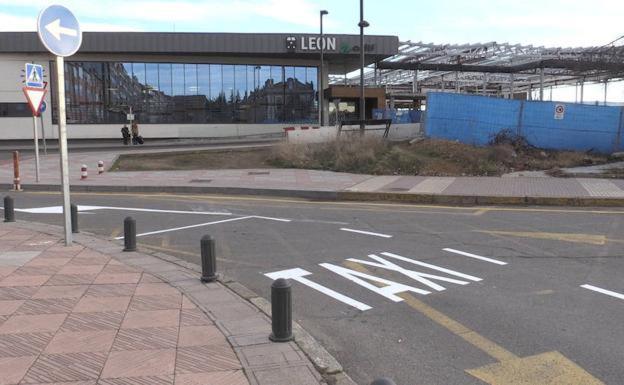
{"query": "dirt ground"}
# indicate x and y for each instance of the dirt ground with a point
(194, 160)
(429, 157)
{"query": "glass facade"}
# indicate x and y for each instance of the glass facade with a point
(164, 93)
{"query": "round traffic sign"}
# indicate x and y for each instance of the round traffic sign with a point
(59, 30)
(43, 107)
(559, 109)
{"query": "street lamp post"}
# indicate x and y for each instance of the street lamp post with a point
(362, 24)
(321, 88)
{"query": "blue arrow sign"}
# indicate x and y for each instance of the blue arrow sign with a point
(34, 75)
(59, 30)
(43, 107)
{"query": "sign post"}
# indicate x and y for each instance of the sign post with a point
(35, 92)
(43, 137)
(36, 136)
(60, 33)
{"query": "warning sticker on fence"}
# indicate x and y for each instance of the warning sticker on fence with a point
(559, 111)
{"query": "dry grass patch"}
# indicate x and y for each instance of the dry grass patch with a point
(369, 155)
(431, 157)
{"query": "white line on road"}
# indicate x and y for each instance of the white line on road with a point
(59, 210)
(495, 261)
(271, 219)
(603, 291)
(366, 232)
(189, 227)
(299, 274)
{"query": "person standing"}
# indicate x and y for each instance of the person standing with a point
(136, 138)
(125, 133)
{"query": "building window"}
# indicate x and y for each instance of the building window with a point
(165, 93)
(15, 110)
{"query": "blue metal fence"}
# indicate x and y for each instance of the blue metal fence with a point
(477, 119)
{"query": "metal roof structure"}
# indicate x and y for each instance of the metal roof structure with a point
(490, 68)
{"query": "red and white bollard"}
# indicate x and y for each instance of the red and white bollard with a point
(17, 185)
(101, 167)
(83, 172)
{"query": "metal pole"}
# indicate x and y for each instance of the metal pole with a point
(9, 209)
(36, 138)
(541, 91)
(43, 137)
(375, 74)
(605, 92)
(456, 82)
(17, 183)
(582, 90)
(362, 100)
(129, 234)
(74, 218)
(511, 86)
(281, 311)
(208, 259)
(62, 141)
(415, 83)
(321, 80)
(485, 83)
(131, 115)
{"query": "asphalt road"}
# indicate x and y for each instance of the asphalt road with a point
(520, 313)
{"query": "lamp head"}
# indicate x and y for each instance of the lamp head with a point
(324, 12)
(363, 24)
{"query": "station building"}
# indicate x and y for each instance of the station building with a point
(183, 85)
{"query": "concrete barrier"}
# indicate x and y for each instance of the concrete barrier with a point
(309, 134)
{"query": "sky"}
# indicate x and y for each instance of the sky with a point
(551, 23)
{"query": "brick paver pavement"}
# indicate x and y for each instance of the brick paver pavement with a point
(74, 315)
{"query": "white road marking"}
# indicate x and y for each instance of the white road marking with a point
(433, 267)
(321, 221)
(366, 232)
(299, 274)
(59, 210)
(188, 227)
(603, 291)
(271, 219)
(389, 291)
(491, 260)
(424, 278)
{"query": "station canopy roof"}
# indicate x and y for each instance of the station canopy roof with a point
(490, 67)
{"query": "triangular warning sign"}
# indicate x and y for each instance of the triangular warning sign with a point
(35, 98)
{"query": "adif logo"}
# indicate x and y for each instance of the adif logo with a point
(291, 44)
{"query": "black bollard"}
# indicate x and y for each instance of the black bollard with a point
(208, 259)
(383, 381)
(74, 218)
(9, 209)
(129, 234)
(281, 311)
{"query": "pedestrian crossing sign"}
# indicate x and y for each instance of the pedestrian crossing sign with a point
(34, 75)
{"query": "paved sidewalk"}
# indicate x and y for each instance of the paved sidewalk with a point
(94, 315)
(328, 185)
